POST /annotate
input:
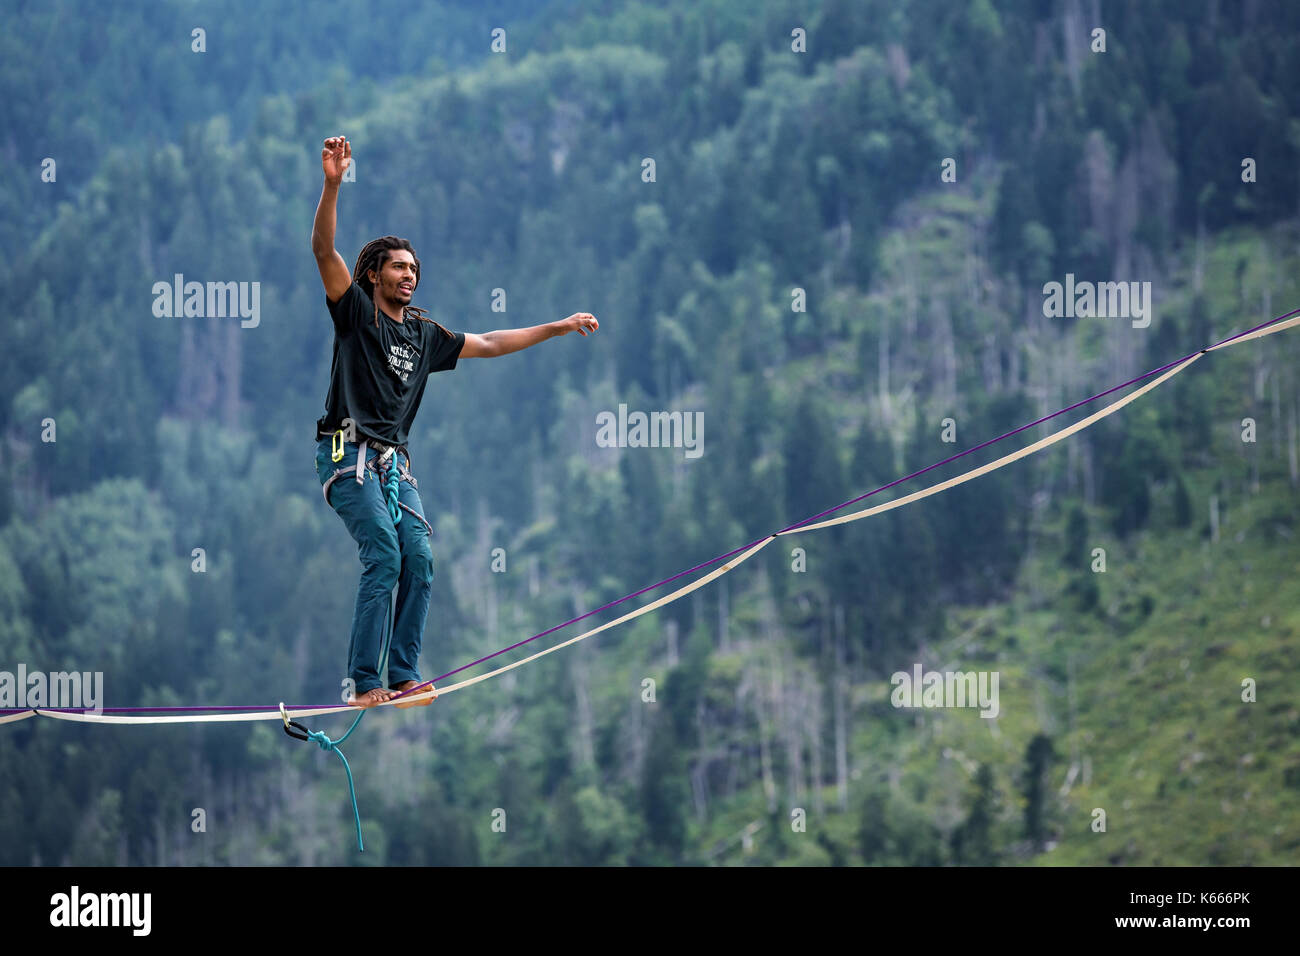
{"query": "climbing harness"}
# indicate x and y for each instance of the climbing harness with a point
(386, 467)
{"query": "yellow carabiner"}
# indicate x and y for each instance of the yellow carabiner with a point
(336, 446)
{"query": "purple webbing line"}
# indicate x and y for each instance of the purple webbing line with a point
(1039, 422)
(861, 497)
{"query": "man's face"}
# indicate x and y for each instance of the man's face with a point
(397, 279)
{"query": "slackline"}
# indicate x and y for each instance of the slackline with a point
(169, 715)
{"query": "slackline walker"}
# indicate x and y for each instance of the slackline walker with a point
(291, 715)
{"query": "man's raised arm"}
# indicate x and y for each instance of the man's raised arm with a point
(335, 157)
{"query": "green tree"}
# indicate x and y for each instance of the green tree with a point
(973, 842)
(1039, 757)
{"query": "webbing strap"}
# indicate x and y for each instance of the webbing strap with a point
(361, 462)
(1041, 443)
(411, 511)
(994, 465)
(666, 599)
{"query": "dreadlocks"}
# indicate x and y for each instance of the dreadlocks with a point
(373, 256)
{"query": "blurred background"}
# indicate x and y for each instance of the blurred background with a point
(842, 241)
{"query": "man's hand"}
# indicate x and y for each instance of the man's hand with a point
(335, 158)
(582, 322)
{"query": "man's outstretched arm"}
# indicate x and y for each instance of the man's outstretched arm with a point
(335, 156)
(505, 341)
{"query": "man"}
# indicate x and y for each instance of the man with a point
(384, 351)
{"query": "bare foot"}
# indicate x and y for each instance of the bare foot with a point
(370, 698)
(424, 688)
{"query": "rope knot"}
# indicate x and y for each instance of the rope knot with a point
(320, 738)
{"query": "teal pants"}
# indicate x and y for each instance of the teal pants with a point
(390, 554)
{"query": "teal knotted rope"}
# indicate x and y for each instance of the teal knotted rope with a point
(320, 738)
(325, 743)
(389, 484)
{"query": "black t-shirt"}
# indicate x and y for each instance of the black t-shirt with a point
(378, 374)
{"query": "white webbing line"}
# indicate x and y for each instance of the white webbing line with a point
(1041, 443)
(197, 718)
(994, 465)
(275, 714)
(1289, 323)
(666, 599)
(687, 589)
(424, 695)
